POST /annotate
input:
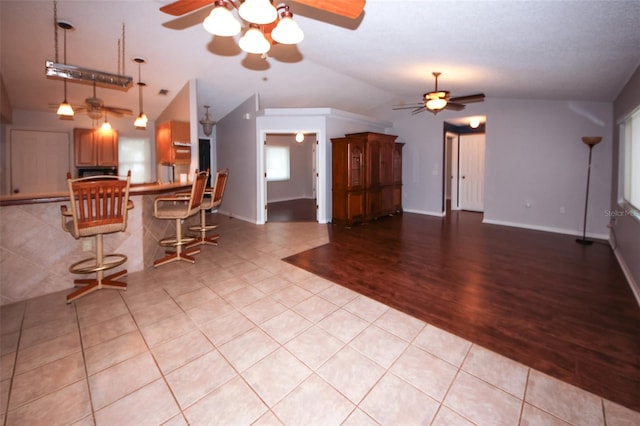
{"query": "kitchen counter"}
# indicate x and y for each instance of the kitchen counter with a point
(37, 252)
(135, 189)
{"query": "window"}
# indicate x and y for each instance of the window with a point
(135, 155)
(277, 163)
(629, 177)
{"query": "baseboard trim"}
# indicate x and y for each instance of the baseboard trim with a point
(545, 229)
(428, 213)
(635, 287)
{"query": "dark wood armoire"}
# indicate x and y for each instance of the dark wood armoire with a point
(367, 177)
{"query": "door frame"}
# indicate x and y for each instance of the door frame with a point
(320, 166)
(450, 129)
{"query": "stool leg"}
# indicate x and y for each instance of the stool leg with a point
(178, 254)
(100, 281)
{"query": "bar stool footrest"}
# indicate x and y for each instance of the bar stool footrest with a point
(89, 265)
(174, 242)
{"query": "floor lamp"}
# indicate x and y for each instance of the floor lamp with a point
(590, 141)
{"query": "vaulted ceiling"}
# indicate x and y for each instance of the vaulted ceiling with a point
(574, 50)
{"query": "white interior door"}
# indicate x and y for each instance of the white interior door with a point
(39, 162)
(472, 148)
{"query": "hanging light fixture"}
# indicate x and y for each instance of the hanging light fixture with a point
(207, 123)
(221, 21)
(287, 31)
(253, 41)
(256, 13)
(106, 126)
(65, 111)
(141, 119)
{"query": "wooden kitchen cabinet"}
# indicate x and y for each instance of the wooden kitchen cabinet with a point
(94, 148)
(367, 177)
(173, 143)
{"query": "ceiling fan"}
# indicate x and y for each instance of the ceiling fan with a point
(95, 107)
(437, 100)
(348, 8)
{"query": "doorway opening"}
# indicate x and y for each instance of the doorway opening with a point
(290, 172)
(464, 144)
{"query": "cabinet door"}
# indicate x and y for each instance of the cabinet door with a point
(107, 148)
(356, 165)
(84, 147)
(180, 132)
(163, 143)
(386, 163)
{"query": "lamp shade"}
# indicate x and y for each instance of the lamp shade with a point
(591, 140)
(287, 31)
(253, 41)
(65, 110)
(141, 121)
(258, 11)
(221, 21)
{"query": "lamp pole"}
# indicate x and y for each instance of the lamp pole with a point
(590, 141)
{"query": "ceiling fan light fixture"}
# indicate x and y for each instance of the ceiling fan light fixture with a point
(221, 21)
(287, 31)
(253, 41)
(258, 11)
(436, 104)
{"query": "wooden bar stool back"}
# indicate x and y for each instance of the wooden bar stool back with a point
(212, 199)
(178, 207)
(98, 205)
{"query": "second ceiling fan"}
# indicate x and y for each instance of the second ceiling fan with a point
(437, 100)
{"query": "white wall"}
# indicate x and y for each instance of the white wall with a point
(533, 154)
(300, 183)
(236, 151)
(49, 121)
(626, 232)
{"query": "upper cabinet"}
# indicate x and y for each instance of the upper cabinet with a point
(173, 143)
(95, 148)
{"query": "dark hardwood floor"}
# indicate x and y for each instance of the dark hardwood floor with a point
(301, 210)
(536, 297)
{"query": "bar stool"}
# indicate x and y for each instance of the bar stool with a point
(212, 199)
(178, 207)
(98, 205)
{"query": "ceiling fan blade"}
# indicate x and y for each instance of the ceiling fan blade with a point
(182, 7)
(349, 8)
(410, 106)
(120, 111)
(454, 106)
(478, 97)
(418, 110)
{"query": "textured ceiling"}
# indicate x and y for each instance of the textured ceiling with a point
(575, 50)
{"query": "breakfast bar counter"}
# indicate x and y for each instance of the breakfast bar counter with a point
(36, 252)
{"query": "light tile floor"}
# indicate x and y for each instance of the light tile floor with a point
(241, 337)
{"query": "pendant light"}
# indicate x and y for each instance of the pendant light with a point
(141, 120)
(65, 111)
(207, 122)
(106, 126)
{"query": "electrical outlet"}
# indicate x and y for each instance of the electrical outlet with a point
(87, 245)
